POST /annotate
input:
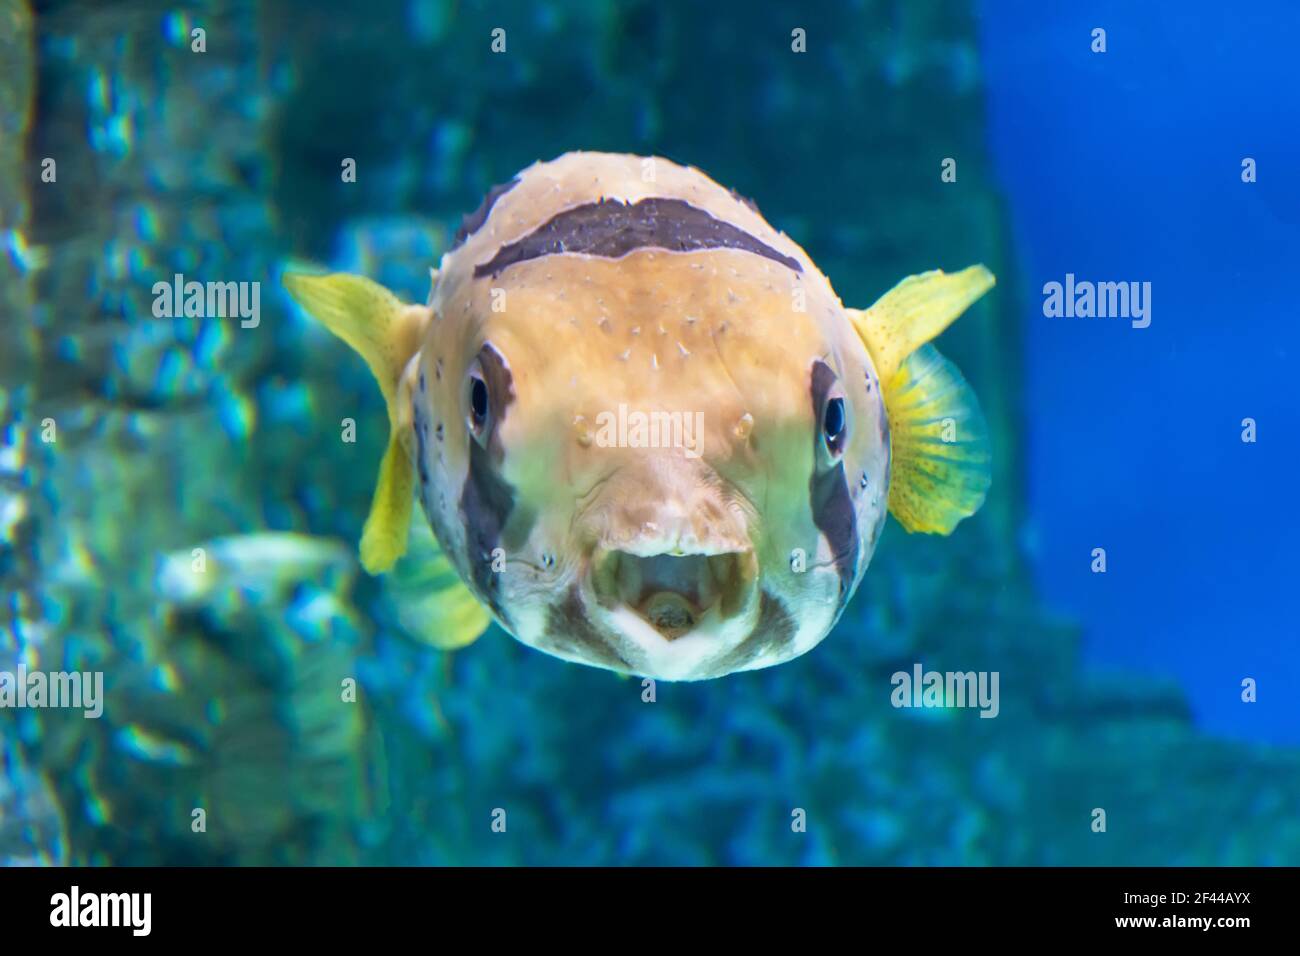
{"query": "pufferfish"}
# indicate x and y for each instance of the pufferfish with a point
(645, 431)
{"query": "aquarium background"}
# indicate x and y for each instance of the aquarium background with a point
(129, 440)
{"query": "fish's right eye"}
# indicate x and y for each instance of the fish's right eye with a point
(479, 400)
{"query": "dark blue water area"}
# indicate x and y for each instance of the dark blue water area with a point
(1127, 166)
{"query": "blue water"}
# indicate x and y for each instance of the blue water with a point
(1127, 166)
(1114, 167)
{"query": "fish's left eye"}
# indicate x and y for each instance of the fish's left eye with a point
(835, 426)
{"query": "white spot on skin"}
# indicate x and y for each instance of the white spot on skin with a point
(682, 348)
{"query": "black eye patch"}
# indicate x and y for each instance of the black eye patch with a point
(497, 396)
(828, 490)
(487, 500)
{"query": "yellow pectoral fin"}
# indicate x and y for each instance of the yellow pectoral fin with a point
(940, 446)
(383, 540)
(374, 322)
(939, 441)
(386, 334)
(916, 311)
(433, 604)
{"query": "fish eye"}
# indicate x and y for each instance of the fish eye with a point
(478, 401)
(479, 418)
(835, 426)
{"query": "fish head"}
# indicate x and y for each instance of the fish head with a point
(680, 472)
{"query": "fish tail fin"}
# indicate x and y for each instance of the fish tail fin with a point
(939, 440)
(385, 332)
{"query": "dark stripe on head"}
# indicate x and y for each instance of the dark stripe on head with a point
(569, 631)
(832, 502)
(774, 631)
(487, 500)
(611, 229)
(474, 221)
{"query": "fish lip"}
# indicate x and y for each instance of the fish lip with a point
(648, 546)
(714, 581)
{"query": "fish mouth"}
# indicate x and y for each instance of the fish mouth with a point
(672, 591)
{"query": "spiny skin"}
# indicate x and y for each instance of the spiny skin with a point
(754, 344)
